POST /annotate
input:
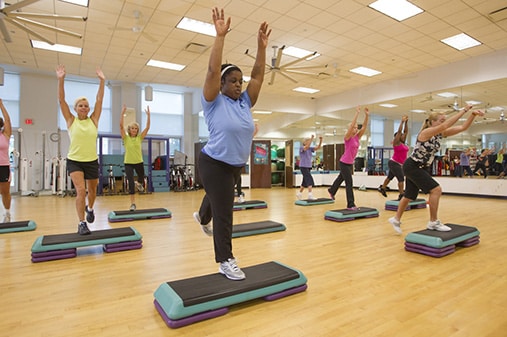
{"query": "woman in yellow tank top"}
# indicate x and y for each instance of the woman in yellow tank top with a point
(82, 159)
(132, 142)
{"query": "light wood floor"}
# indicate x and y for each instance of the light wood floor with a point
(361, 282)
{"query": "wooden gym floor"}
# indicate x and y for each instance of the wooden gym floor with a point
(361, 282)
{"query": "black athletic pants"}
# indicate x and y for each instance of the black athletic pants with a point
(345, 175)
(218, 179)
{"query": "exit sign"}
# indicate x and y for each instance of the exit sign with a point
(28, 121)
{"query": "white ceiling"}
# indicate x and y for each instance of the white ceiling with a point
(347, 34)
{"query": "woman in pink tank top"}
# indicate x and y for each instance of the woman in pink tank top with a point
(5, 169)
(395, 164)
(352, 137)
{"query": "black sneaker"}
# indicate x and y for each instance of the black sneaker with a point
(382, 191)
(400, 196)
(90, 215)
(82, 229)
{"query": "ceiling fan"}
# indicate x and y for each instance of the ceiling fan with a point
(23, 21)
(137, 27)
(428, 98)
(276, 68)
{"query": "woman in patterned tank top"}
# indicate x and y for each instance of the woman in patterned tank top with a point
(416, 167)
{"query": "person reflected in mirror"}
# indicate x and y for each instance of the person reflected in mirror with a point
(305, 165)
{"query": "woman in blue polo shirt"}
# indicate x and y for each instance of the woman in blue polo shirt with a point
(227, 113)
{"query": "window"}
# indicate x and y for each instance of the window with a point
(75, 89)
(377, 132)
(166, 113)
(9, 93)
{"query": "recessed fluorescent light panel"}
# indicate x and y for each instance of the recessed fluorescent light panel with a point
(61, 48)
(418, 111)
(165, 65)
(197, 26)
(396, 9)
(77, 2)
(473, 102)
(365, 71)
(447, 94)
(388, 105)
(306, 90)
(262, 112)
(461, 41)
(299, 53)
(246, 78)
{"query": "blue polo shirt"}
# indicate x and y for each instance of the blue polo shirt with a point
(230, 127)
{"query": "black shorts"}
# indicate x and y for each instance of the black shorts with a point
(418, 178)
(307, 177)
(89, 168)
(5, 174)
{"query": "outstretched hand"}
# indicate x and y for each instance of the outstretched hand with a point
(60, 71)
(221, 25)
(147, 110)
(100, 74)
(263, 36)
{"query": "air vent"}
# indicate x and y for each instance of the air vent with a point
(498, 15)
(196, 48)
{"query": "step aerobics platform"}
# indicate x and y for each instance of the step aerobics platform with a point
(140, 214)
(17, 226)
(191, 300)
(63, 246)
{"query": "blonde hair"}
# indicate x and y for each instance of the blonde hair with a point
(131, 125)
(79, 99)
(433, 116)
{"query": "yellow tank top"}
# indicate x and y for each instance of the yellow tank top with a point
(83, 140)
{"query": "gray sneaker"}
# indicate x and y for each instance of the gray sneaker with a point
(132, 207)
(231, 270)
(7, 218)
(438, 226)
(207, 229)
(139, 186)
(82, 228)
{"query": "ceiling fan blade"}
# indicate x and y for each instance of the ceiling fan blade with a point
(52, 16)
(29, 31)
(272, 79)
(305, 67)
(278, 57)
(53, 28)
(5, 32)
(18, 5)
(287, 76)
(298, 60)
(303, 72)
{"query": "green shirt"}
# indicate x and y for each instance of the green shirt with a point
(133, 149)
(83, 140)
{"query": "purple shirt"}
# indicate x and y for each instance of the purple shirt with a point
(305, 157)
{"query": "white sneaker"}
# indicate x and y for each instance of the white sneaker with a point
(396, 224)
(438, 226)
(207, 229)
(231, 270)
(311, 197)
(241, 199)
(139, 187)
(7, 218)
(299, 195)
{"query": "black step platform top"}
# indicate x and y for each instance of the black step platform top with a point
(310, 201)
(141, 211)
(95, 235)
(249, 202)
(358, 211)
(15, 224)
(456, 231)
(210, 287)
(255, 226)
